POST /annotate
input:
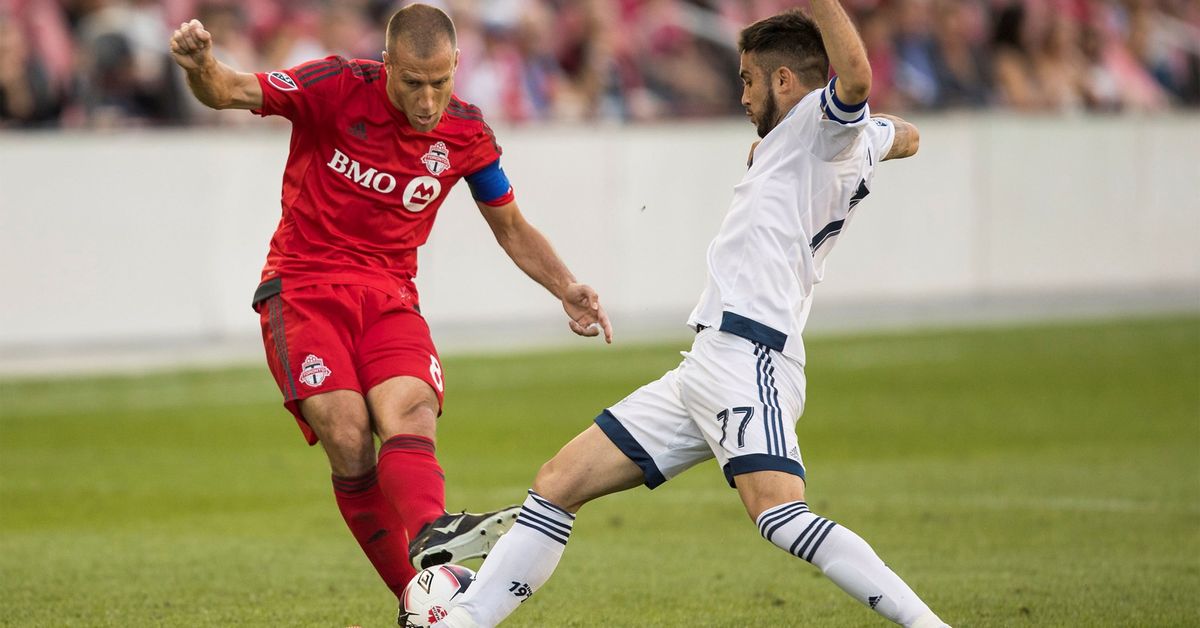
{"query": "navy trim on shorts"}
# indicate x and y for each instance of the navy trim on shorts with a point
(760, 462)
(629, 446)
(772, 423)
(752, 330)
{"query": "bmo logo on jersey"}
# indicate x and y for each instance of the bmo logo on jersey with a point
(369, 178)
(420, 192)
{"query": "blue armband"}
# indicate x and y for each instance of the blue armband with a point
(489, 184)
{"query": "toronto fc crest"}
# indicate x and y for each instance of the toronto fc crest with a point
(437, 160)
(313, 372)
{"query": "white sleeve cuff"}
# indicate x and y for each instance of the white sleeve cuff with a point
(839, 111)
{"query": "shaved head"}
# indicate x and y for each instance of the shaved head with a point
(420, 59)
(421, 29)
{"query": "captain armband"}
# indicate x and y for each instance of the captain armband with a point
(839, 111)
(490, 185)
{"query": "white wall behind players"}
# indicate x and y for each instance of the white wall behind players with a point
(159, 237)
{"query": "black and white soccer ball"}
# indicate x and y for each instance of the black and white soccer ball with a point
(433, 591)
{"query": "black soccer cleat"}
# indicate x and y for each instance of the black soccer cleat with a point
(453, 538)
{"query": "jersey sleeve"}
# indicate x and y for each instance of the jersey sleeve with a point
(488, 182)
(302, 92)
(881, 133)
(840, 123)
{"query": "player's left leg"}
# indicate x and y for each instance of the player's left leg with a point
(775, 501)
(404, 412)
(746, 397)
(400, 371)
(404, 382)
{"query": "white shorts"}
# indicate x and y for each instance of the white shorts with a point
(730, 398)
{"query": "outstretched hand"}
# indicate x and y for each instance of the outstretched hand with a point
(582, 304)
(191, 46)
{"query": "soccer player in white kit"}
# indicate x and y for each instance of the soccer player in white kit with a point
(740, 390)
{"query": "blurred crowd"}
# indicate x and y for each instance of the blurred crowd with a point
(105, 63)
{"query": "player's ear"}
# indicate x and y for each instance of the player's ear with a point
(456, 58)
(783, 78)
(790, 83)
(385, 58)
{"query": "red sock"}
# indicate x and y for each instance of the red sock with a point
(376, 527)
(412, 480)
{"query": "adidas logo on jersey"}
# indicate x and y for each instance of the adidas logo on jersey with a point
(371, 178)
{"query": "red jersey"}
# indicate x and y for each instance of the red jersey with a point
(362, 187)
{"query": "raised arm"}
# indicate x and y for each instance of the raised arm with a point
(908, 138)
(212, 82)
(532, 253)
(846, 51)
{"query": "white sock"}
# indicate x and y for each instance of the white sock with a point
(845, 559)
(520, 563)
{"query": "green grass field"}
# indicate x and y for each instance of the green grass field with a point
(1041, 476)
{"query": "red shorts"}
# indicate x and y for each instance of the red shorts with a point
(342, 337)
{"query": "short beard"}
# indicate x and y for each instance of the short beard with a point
(767, 122)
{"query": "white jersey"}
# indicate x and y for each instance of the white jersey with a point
(808, 174)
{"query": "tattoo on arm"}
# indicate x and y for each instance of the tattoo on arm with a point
(907, 140)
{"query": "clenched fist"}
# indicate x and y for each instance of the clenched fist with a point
(191, 46)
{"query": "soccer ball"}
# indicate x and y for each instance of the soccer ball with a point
(433, 591)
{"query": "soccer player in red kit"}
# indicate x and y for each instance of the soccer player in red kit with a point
(375, 149)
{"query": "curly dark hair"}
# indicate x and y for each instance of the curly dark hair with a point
(789, 39)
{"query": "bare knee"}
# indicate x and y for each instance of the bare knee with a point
(586, 468)
(554, 482)
(763, 490)
(403, 405)
(418, 418)
(340, 421)
(351, 450)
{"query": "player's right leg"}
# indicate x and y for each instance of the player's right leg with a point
(588, 467)
(647, 438)
(305, 333)
(340, 421)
